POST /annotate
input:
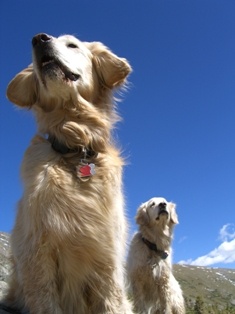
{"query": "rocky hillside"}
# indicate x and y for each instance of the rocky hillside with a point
(5, 267)
(4, 261)
(216, 286)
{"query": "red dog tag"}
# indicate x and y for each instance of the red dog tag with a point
(85, 171)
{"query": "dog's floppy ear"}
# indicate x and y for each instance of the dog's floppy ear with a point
(174, 217)
(142, 217)
(111, 69)
(22, 88)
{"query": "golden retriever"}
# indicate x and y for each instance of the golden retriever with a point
(149, 267)
(69, 237)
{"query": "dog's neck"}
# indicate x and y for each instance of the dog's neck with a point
(59, 147)
(153, 247)
(160, 238)
(85, 158)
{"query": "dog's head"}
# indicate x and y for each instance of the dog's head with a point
(64, 67)
(157, 212)
(69, 86)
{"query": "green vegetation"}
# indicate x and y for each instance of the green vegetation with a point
(207, 290)
(200, 307)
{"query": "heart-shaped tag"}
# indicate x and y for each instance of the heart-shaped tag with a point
(86, 170)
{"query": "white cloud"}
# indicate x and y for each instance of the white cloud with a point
(182, 239)
(224, 253)
(227, 232)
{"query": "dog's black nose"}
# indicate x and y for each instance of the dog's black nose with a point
(162, 205)
(41, 38)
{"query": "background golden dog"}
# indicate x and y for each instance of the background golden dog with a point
(153, 286)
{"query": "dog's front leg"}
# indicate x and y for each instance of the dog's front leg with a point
(39, 282)
(163, 311)
(108, 298)
(165, 300)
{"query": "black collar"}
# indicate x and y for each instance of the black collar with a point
(153, 247)
(63, 149)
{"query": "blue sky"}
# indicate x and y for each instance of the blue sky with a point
(178, 127)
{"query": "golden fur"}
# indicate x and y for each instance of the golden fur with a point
(69, 237)
(153, 286)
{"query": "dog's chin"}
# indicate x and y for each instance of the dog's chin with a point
(55, 83)
(54, 71)
(163, 216)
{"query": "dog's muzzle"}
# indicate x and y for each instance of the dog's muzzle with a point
(162, 209)
(47, 60)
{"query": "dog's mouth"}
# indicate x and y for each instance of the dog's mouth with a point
(162, 212)
(50, 64)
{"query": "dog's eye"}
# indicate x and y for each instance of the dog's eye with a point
(152, 204)
(71, 45)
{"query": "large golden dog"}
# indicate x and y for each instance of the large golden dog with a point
(69, 237)
(153, 285)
